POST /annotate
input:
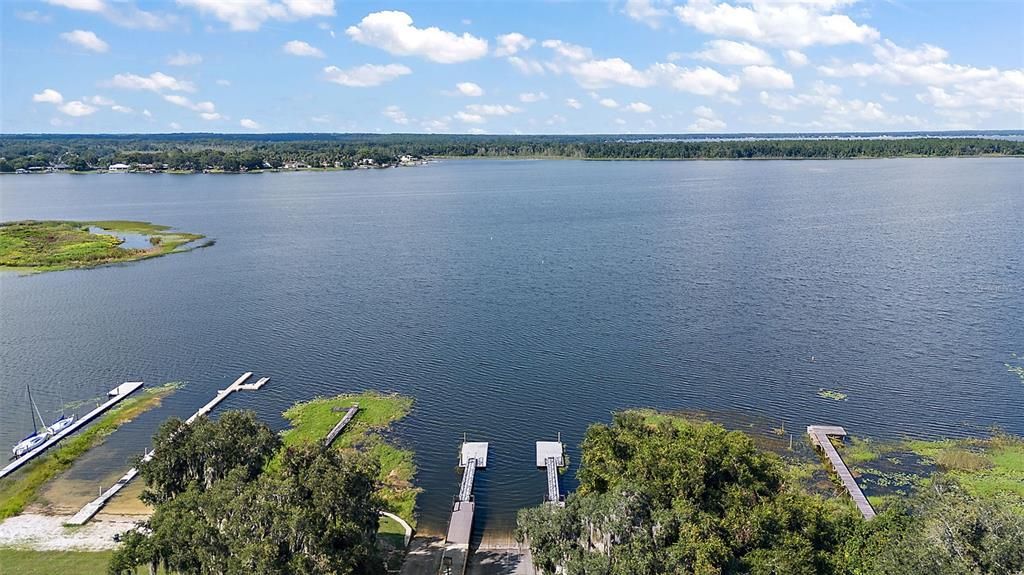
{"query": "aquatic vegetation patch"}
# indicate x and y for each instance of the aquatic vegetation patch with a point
(311, 421)
(38, 246)
(831, 394)
(22, 487)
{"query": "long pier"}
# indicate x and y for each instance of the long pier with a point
(116, 395)
(819, 436)
(456, 553)
(551, 456)
(341, 425)
(94, 506)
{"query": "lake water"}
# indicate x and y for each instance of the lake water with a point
(519, 299)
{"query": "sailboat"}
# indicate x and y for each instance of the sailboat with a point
(37, 437)
(63, 422)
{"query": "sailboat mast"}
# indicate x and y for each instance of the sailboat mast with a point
(40, 415)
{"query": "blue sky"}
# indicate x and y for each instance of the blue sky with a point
(631, 66)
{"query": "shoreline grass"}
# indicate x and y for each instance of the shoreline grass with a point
(22, 488)
(31, 246)
(312, 420)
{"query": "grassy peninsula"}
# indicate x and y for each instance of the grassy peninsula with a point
(312, 420)
(39, 246)
(21, 488)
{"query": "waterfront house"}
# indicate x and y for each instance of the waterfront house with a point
(118, 168)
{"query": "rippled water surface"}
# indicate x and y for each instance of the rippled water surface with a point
(518, 299)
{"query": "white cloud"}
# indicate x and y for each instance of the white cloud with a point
(791, 24)
(469, 118)
(646, 12)
(601, 73)
(84, 5)
(492, 109)
(76, 108)
(707, 120)
(366, 75)
(567, 50)
(435, 125)
(121, 109)
(396, 115)
(100, 100)
(476, 131)
(608, 103)
(469, 89)
(573, 103)
(555, 119)
(511, 43)
(620, 121)
(702, 81)
(247, 15)
(526, 67)
(638, 107)
(733, 53)
(767, 77)
(174, 126)
(210, 116)
(147, 113)
(530, 97)
(796, 58)
(393, 32)
(48, 96)
(155, 82)
(206, 110)
(223, 82)
(34, 16)
(923, 65)
(86, 39)
(300, 48)
(182, 58)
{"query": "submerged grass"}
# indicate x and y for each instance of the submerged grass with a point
(38, 246)
(312, 420)
(21, 488)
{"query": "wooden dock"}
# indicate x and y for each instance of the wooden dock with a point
(551, 456)
(116, 395)
(94, 506)
(456, 552)
(341, 425)
(819, 436)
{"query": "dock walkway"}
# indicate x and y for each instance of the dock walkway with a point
(456, 551)
(341, 425)
(551, 456)
(116, 395)
(819, 436)
(94, 506)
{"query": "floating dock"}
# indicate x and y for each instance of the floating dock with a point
(456, 553)
(94, 506)
(341, 425)
(116, 395)
(551, 456)
(819, 436)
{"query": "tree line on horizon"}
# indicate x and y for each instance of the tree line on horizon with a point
(230, 153)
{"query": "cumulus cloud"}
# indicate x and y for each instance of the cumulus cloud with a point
(100, 100)
(706, 121)
(526, 67)
(796, 58)
(530, 97)
(734, 54)
(567, 50)
(469, 89)
(638, 107)
(249, 124)
(602, 73)
(702, 81)
(767, 77)
(155, 82)
(608, 103)
(396, 115)
(48, 96)
(123, 14)
(365, 76)
(573, 103)
(182, 58)
(646, 12)
(790, 24)
(512, 43)
(121, 109)
(206, 110)
(86, 39)
(76, 108)
(393, 32)
(492, 109)
(300, 48)
(469, 118)
(247, 15)
(84, 5)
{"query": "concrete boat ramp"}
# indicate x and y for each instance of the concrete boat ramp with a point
(94, 506)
